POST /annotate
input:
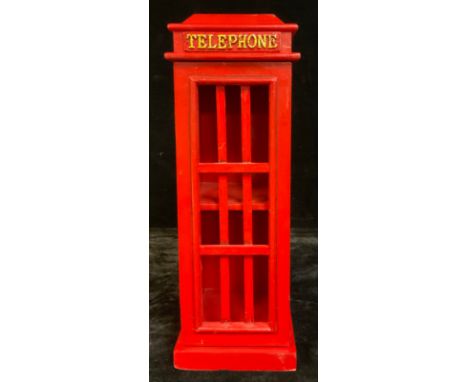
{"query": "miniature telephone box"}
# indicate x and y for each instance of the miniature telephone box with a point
(232, 85)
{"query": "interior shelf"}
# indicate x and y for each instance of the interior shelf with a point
(209, 195)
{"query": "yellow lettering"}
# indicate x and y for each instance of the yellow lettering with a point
(261, 40)
(210, 42)
(222, 41)
(272, 43)
(202, 41)
(242, 41)
(232, 40)
(190, 38)
(252, 41)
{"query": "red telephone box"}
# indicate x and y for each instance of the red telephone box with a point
(232, 81)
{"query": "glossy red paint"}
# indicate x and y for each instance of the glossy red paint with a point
(232, 81)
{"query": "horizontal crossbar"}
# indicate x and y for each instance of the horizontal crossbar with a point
(238, 250)
(233, 206)
(233, 167)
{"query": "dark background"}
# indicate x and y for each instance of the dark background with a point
(162, 181)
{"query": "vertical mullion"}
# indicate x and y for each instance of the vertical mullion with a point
(272, 219)
(223, 203)
(247, 203)
(246, 124)
(221, 122)
(194, 120)
(224, 239)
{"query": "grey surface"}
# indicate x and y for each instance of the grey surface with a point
(164, 312)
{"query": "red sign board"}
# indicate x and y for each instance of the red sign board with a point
(232, 41)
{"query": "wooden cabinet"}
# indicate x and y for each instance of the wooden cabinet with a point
(232, 82)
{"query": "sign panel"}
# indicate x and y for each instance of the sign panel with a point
(232, 41)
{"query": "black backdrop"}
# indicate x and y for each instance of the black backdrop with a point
(162, 182)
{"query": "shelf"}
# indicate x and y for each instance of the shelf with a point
(209, 195)
(233, 326)
(233, 167)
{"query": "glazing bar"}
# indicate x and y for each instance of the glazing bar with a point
(223, 203)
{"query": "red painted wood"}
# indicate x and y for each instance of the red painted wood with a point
(239, 79)
(221, 122)
(272, 292)
(256, 24)
(223, 200)
(234, 327)
(253, 358)
(246, 127)
(188, 81)
(233, 168)
(238, 57)
(209, 206)
(195, 158)
(247, 203)
(232, 21)
(182, 105)
(236, 250)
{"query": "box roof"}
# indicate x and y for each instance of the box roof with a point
(261, 21)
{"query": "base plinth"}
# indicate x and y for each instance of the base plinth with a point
(262, 358)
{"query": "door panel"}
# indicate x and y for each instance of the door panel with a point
(234, 211)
